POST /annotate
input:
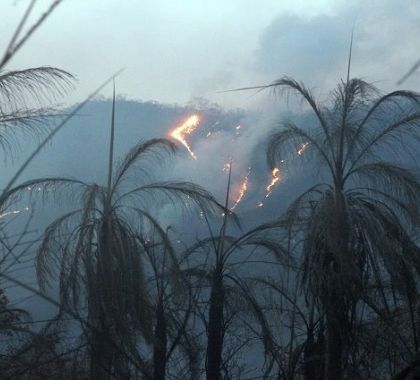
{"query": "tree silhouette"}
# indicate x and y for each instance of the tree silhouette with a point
(357, 220)
(97, 255)
(220, 271)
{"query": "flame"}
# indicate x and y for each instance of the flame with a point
(302, 148)
(275, 178)
(242, 189)
(275, 174)
(186, 128)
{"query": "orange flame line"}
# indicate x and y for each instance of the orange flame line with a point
(275, 178)
(185, 129)
(275, 174)
(242, 190)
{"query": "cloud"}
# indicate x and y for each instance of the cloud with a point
(315, 49)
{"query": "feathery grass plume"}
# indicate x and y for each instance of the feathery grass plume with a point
(96, 255)
(173, 298)
(357, 223)
(22, 98)
(223, 256)
(37, 84)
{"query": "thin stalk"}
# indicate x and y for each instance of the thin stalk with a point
(22, 22)
(111, 143)
(220, 246)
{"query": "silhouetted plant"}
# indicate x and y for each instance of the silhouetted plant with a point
(220, 272)
(356, 224)
(96, 253)
(172, 301)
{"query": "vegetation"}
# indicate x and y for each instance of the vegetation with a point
(357, 225)
(329, 290)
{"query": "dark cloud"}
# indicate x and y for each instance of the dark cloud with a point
(307, 49)
(315, 49)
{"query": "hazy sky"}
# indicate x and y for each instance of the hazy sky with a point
(174, 51)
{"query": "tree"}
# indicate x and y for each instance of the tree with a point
(23, 95)
(173, 300)
(356, 224)
(230, 290)
(96, 253)
(23, 92)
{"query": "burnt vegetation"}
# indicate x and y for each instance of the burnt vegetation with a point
(328, 290)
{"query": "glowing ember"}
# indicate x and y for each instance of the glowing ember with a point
(242, 189)
(185, 129)
(275, 178)
(226, 167)
(302, 148)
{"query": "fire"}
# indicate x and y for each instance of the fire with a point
(242, 189)
(275, 174)
(302, 148)
(275, 178)
(185, 129)
(226, 167)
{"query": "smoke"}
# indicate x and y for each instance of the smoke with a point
(315, 49)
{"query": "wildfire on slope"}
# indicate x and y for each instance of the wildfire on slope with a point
(243, 188)
(185, 129)
(275, 178)
(275, 173)
(226, 167)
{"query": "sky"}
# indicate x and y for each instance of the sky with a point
(184, 50)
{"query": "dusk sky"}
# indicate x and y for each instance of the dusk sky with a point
(175, 51)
